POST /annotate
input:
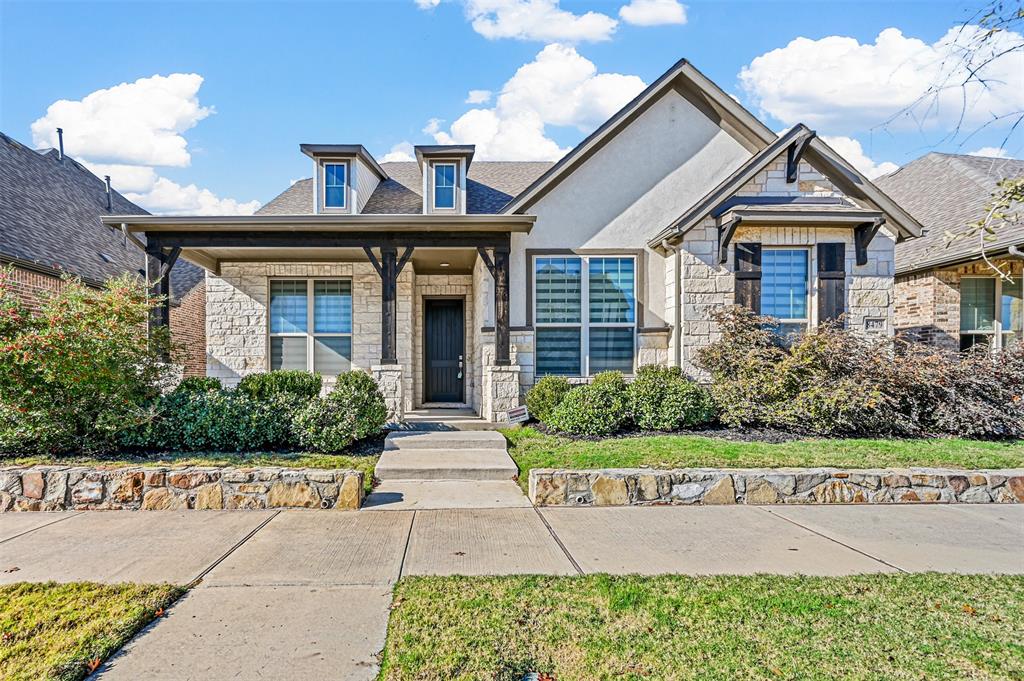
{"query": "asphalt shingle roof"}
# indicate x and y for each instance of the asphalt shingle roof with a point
(489, 186)
(946, 192)
(50, 215)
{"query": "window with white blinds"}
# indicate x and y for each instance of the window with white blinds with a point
(991, 312)
(584, 314)
(311, 325)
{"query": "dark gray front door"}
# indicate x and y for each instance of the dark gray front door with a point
(443, 350)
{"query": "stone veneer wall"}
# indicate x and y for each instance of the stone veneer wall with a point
(927, 304)
(640, 487)
(446, 286)
(59, 488)
(708, 285)
(236, 316)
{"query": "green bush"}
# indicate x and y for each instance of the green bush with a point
(78, 372)
(354, 409)
(545, 395)
(662, 398)
(262, 386)
(198, 384)
(599, 408)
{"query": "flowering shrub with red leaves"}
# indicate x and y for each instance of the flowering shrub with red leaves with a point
(78, 372)
(832, 381)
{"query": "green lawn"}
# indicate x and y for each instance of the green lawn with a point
(53, 631)
(926, 626)
(533, 449)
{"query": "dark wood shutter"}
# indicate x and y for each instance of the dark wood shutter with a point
(748, 276)
(831, 281)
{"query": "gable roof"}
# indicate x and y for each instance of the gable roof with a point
(490, 185)
(50, 220)
(687, 81)
(847, 178)
(946, 192)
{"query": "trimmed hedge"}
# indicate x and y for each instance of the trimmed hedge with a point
(262, 386)
(662, 398)
(545, 395)
(599, 408)
(353, 410)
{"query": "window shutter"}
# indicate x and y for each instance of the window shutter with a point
(748, 276)
(831, 281)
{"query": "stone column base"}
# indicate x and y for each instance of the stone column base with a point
(500, 392)
(389, 379)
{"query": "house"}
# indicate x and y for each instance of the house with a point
(459, 281)
(50, 208)
(946, 294)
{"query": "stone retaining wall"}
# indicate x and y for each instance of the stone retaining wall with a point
(640, 487)
(59, 488)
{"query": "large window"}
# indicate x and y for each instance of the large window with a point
(334, 185)
(785, 288)
(311, 325)
(584, 314)
(991, 312)
(444, 185)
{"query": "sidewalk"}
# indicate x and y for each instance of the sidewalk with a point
(305, 594)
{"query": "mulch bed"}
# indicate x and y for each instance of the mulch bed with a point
(768, 435)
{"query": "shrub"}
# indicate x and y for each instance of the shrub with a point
(198, 384)
(262, 386)
(79, 372)
(662, 398)
(595, 409)
(545, 395)
(354, 409)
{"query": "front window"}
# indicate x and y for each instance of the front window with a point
(585, 314)
(311, 325)
(444, 185)
(983, 320)
(334, 185)
(785, 288)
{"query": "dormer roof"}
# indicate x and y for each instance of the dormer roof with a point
(430, 151)
(317, 151)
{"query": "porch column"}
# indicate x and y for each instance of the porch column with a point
(388, 305)
(502, 341)
(158, 279)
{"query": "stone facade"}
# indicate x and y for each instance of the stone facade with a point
(446, 286)
(501, 392)
(389, 380)
(927, 304)
(707, 285)
(642, 487)
(60, 488)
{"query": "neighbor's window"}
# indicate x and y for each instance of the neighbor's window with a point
(311, 325)
(982, 320)
(785, 289)
(444, 185)
(584, 314)
(334, 185)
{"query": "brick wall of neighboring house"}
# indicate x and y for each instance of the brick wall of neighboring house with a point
(188, 326)
(188, 330)
(927, 304)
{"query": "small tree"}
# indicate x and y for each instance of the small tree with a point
(80, 371)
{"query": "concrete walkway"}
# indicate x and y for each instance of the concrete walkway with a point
(305, 594)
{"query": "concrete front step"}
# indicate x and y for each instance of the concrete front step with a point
(445, 464)
(445, 440)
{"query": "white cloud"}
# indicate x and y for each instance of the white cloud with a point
(139, 123)
(559, 88)
(537, 20)
(427, 4)
(478, 97)
(653, 12)
(127, 130)
(989, 152)
(432, 126)
(852, 151)
(403, 151)
(841, 85)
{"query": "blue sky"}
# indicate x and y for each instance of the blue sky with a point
(274, 75)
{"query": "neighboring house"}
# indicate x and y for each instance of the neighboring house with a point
(946, 294)
(458, 281)
(50, 208)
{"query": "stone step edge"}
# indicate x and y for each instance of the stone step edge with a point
(718, 486)
(82, 488)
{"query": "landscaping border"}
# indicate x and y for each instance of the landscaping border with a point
(644, 486)
(61, 488)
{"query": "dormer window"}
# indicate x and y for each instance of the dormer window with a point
(444, 186)
(334, 185)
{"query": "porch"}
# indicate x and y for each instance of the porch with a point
(420, 302)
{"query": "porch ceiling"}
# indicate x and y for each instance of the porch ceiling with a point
(424, 260)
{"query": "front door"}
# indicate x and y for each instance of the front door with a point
(443, 349)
